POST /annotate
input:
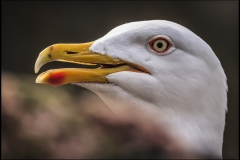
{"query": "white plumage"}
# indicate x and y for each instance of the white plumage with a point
(186, 87)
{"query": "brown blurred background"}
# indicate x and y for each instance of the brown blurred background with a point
(29, 27)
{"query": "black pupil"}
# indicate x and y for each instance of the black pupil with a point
(159, 44)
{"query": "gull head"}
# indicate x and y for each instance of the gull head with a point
(155, 66)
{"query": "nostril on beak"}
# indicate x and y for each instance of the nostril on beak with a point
(69, 52)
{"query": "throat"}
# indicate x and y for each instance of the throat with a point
(196, 134)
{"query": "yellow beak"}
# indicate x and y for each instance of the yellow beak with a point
(77, 53)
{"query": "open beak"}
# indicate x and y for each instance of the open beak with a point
(79, 53)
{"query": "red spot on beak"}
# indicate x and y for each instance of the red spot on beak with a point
(56, 79)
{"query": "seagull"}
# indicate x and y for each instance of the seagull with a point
(157, 67)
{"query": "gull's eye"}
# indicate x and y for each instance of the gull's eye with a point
(160, 44)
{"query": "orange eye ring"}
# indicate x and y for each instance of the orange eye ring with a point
(160, 44)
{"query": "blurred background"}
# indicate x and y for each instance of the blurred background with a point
(40, 121)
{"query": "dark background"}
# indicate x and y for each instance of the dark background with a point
(29, 27)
